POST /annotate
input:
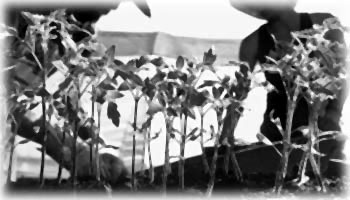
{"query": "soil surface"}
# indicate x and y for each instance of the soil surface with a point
(258, 167)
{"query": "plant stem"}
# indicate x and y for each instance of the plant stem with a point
(75, 136)
(182, 155)
(97, 156)
(9, 171)
(313, 132)
(204, 156)
(43, 148)
(302, 165)
(150, 170)
(213, 167)
(317, 172)
(142, 170)
(166, 165)
(236, 168)
(12, 142)
(92, 125)
(65, 127)
(291, 103)
(315, 110)
(60, 167)
(215, 157)
(227, 159)
(134, 146)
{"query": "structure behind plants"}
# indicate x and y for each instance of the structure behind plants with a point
(175, 91)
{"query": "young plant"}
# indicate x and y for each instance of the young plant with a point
(237, 91)
(134, 84)
(232, 92)
(149, 92)
(323, 78)
(315, 70)
(219, 106)
(49, 44)
(39, 34)
(292, 93)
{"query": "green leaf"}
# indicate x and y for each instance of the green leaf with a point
(33, 105)
(130, 66)
(146, 124)
(23, 141)
(209, 57)
(161, 100)
(111, 95)
(30, 39)
(30, 18)
(136, 79)
(66, 83)
(182, 76)
(192, 132)
(156, 135)
(109, 55)
(60, 66)
(42, 92)
(142, 61)
(208, 83)
(277, 122)
(171, 112)
(106, 86)
(124, 86)
(172, 75)
(216, 92)
(190, 112)
(113, 113)
(29, 93)
(225, 80)
(111, 146)
(154, 108)
(194, 137)
(124, 75)
(149, 89)
(158, 77)
(101, 141)
(118, 62)
(158, 62)
(50, 110)
(180, 62)
(69, 43)
(197, 98)
(100, 95)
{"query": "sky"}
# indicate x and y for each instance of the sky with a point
(203, 18)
